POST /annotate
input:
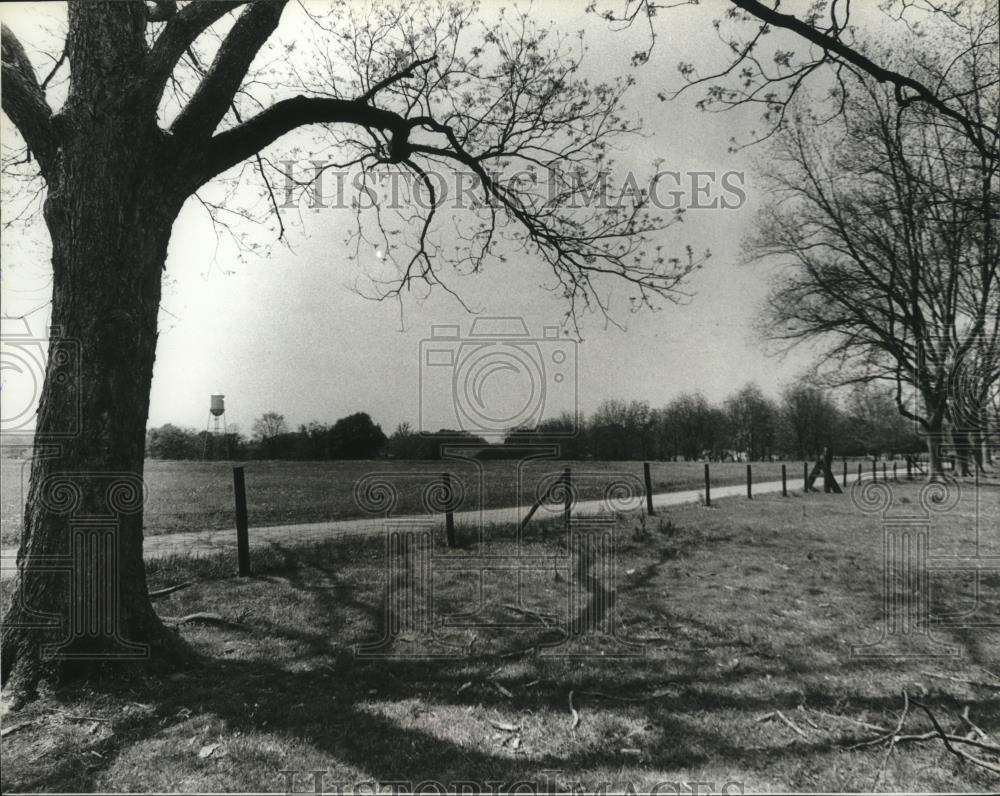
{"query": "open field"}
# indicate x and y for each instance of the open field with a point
(194, 496)
(742, 610)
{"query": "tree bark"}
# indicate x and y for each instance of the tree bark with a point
(935, 464)
(82, 601)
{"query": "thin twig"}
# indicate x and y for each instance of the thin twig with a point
(953, 738)
(947, 742)
(892, 740)
(601, 694)
(865, 724)
(967, 720)
(576, 716)
(528, 612)
(790, 723)
(980, 683)
(153, 595)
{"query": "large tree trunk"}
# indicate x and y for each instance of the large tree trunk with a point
(935, 439)
(109, 214)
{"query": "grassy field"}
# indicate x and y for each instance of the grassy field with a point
(747, 613)
(194, 496)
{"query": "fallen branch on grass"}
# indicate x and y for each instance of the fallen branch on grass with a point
(893, 739)
(204, 618)
(896, 736)
(954, 750)
(980, 683)
(967, 720)
(860, 723)
(777, 714)
(528, 612)
(988, 747)
(602, 695)
(7, 730)
(155, 595)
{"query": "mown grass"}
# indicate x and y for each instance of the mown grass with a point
(188, 496)
(743, 609)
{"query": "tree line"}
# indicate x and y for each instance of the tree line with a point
(746, 426)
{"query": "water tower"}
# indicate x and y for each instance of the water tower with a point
(216, 425)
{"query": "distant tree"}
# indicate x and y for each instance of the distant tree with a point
(172, 442)
(885, 224)
(608, 430)
(268, 430)
(356, 437)
(809, 420)
(268, 425)
(873, 425)
(752, 421)
(569, 432)
(692, 427)
(404, 443)
(407, 444)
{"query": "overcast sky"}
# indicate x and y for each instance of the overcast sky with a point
(288, 332)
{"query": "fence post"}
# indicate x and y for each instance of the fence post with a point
(883, 472)
(784, 482)
(568, 505)
(859, 471)
(845, 473)
(708, 487)
(649, 489)
(749, 481)
(894, 478)
(909, 469)
(805, 476)
(242, 529)
(449, 516)
(874, 469)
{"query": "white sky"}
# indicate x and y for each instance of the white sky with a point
(286, 332)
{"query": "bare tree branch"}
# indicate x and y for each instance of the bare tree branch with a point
(215, 93)
(178, 35)
(979, 134)
(24, 102)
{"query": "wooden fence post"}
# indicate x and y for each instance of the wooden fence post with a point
(242, 527)
(805, 476)
(708, 487)
(649, 489)
(874, 470)
(449, 516)
(859, 471)
(749, 482)
(845, 473)
(894, 478)
(784, 482)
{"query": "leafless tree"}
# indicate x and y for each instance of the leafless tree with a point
(887, 225)
(146, 106)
